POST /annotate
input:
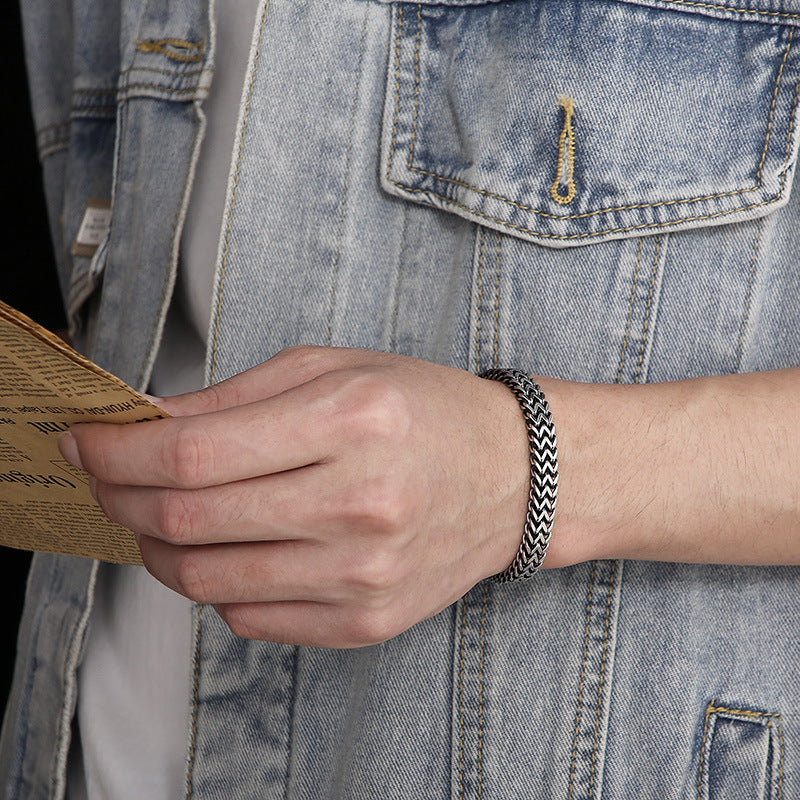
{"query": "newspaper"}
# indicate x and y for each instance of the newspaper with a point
(46, 386)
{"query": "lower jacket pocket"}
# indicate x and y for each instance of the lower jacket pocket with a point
(741, 756)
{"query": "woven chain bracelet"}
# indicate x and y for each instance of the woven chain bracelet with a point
(544, 473)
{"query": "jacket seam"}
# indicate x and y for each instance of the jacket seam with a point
(192, 750)
(581, 684)
(646, 324)
(601, 687)
(749, 297)
(629, 319)
(346, 188)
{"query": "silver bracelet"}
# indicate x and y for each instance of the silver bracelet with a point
(544, 473)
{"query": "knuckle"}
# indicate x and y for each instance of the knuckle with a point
(178, 519)
(384, 507)
(218, 395)
(375, 579)
(191, 578)
(189, 456)
(376, 408)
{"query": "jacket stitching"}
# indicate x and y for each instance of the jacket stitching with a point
(396, 91)
(749, 296)
(757, 12)
(464, 603)
(176, 73)
(770, 717)
(479, 304)
(190, 52)
(398, 286)
(624, 351)
(666, 203)
(482, 653)
(190, 759)
(127, 87)
(496, 344)
(601, 688)
(413, 143)
(234, 191)
(346, 188)
(581, 684)
(648, 310)
(290, 726)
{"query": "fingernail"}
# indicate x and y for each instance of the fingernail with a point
(154, 400)
(69, 449)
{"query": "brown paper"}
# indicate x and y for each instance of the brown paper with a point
(46, 386)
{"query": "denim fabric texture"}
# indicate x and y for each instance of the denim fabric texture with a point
(597, 190)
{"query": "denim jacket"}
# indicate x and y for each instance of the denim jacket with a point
(597, 190)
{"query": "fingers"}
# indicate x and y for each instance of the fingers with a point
(285, 370)
(283, 591)
(311, 624)
(293, 429)
(308, 623)
(300, 426)
(268, 509)
(244, 572)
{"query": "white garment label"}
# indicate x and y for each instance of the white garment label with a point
(93, 228)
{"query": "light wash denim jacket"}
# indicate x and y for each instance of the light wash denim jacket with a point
(590, 189)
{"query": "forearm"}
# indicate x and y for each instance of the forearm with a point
(704, 470)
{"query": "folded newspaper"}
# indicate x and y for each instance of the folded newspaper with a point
(46, 386)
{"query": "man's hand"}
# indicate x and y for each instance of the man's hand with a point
(327, 497)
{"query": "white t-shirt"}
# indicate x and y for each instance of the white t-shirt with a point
(135, 679)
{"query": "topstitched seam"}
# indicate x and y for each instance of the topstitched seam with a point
(175, 73)
(128, 86)
(400, 270)
(544, 214)
(482, 653)
(195, 706)
(290, 726)
(630, 314)
(581, 683)
(396, 90)
(461, 699)
(234, 191)
(717, 7)
(496, 347)
(648, 309)
(479, 305)
(346, 189)
(601, 687)
(749, 297)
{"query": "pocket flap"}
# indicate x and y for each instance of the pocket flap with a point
(569, 122)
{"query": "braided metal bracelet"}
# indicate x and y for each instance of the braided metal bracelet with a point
(544, 473)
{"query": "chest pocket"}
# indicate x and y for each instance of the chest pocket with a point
(572, 121)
